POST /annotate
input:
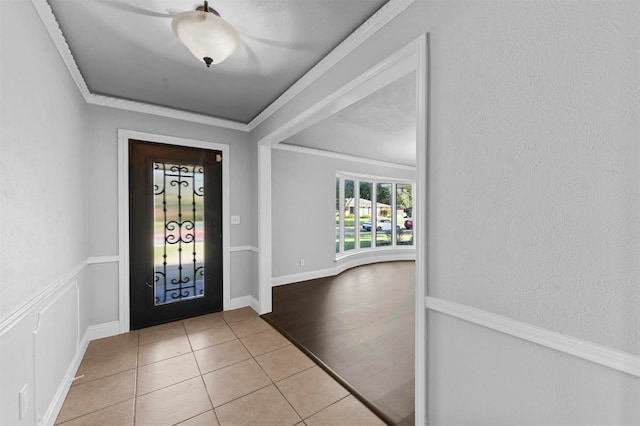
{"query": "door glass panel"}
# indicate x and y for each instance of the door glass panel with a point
(404, 206)
(178, 232)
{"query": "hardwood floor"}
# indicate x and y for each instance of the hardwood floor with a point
(359, 326)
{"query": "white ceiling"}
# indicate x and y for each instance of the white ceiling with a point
(127, 49)
(381, 126)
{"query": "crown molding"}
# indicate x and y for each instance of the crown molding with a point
(603, 355)
(378, 20)
(55, 32)
(129, 105)
(339, 156)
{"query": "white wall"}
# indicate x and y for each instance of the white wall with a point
(534, 198)
(43, 216)
(43, 168)
(253, 158)
(534, 164)
(303, 209)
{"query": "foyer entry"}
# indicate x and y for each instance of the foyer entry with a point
(175, 237)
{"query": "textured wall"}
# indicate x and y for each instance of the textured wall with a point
(535, 164)
(43, 163)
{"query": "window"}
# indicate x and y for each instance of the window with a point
(404, 203)
(372, 214)
(349, 238)
(365, 209)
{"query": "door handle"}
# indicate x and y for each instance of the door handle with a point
(148, 285)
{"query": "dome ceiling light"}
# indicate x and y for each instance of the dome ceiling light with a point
(209, 37)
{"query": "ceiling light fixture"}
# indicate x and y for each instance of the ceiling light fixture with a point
(209, 37)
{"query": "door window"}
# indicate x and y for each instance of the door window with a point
(178, 232)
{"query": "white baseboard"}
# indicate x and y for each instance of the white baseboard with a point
(255, 305)
(100, 331)
(343, 265)
(236, 249)
(103, 259)
(242, 302)
(93, 332)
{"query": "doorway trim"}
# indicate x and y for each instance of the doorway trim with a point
(416, 55)
(123, 213)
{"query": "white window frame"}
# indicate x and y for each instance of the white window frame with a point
(374, 181)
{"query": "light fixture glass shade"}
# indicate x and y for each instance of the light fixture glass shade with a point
(206, 35)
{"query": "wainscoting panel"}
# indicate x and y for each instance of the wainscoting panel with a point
(16, 372)
(55, 341)
(40, 350)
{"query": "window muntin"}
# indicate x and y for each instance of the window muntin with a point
(372, 214)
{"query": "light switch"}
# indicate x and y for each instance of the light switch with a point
(235, 220)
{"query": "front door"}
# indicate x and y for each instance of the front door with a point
(175, 216)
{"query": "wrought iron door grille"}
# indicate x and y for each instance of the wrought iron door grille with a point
(178, 232)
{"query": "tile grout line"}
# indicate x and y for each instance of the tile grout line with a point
(103, 377)
(135, 385)
(253, 357)
(201, 374)
(275, 385)
(204, 384)
(250, 354)
(95, 411)
(213, 408)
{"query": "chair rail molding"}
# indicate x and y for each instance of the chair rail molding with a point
(599, 354)
(28, 307)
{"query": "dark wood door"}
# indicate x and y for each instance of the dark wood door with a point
(175, 237)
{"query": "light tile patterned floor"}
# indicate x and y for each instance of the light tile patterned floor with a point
(228, 368)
